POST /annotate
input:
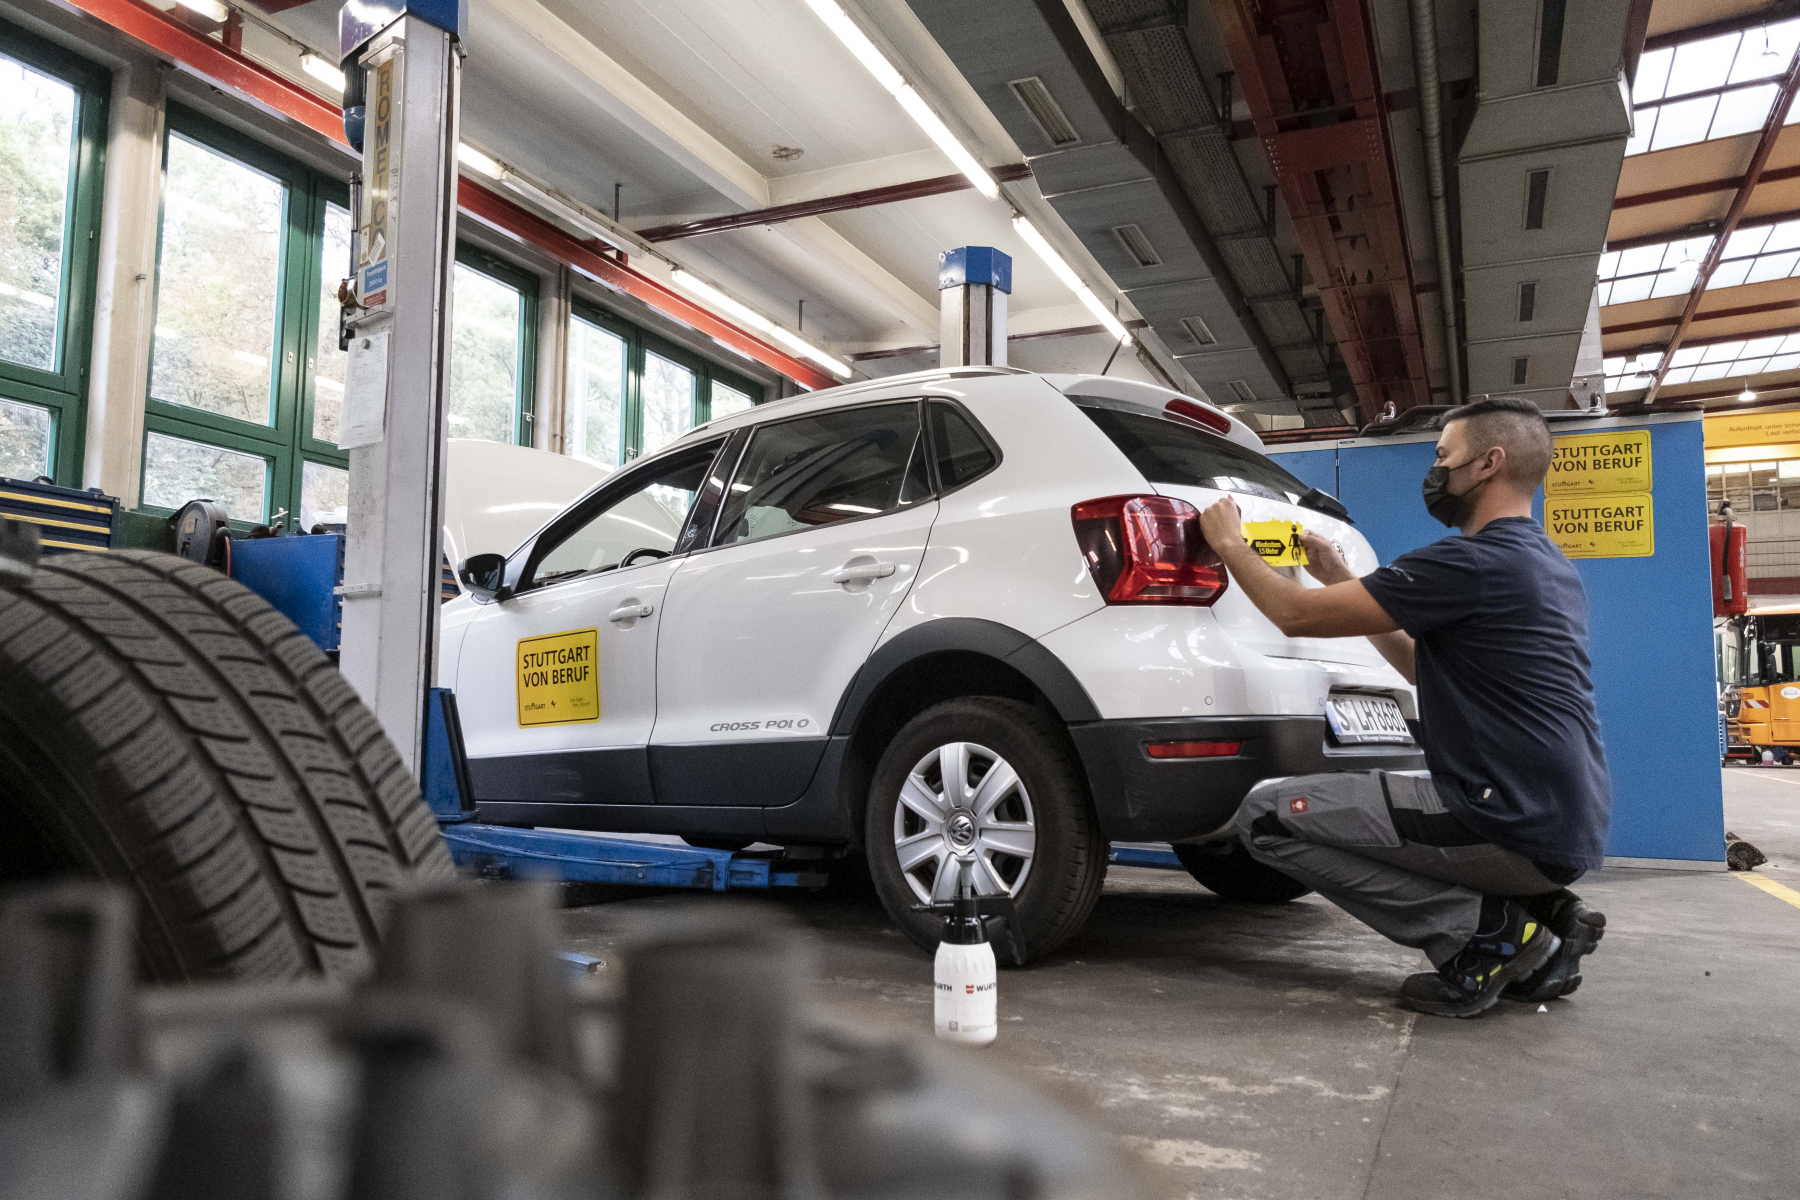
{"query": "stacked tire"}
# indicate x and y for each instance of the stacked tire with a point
(161, 726)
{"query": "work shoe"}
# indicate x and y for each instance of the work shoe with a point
(1579, 928)
(1470, 984)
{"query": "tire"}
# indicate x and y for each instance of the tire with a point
(163, 727)
(1055, 889)
(1234, 875)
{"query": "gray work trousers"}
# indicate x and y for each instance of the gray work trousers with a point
(1381, 846)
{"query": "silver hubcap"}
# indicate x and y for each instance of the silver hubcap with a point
(964, 803)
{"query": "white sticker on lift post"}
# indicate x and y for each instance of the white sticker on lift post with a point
(378, 223)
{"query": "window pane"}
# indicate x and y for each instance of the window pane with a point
(177, 470)
(726, 401)
(37, 124)
(484, 358)
(1170, 452)
(648, 517)
(668, 401)
(24, 440)
(962, 455)
(216, 284)
(324, 495)
(328, 366)
(596, 393)
(815, 471)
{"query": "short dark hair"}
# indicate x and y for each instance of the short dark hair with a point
(1515, 425)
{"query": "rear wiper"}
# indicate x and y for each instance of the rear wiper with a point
(1325, 502)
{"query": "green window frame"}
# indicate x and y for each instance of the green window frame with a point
(524, 419)
(285, 444)
(63, 389)
(640, 343)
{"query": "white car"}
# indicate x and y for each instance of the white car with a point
(959, 617)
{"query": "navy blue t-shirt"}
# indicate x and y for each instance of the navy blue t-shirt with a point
(1505, 690)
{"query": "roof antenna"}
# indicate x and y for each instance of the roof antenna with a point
(1116, 345)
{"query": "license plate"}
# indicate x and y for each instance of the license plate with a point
(1358, 719)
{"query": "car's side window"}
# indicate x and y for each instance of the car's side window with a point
(818, 470)
(962, 453)
(641, 523)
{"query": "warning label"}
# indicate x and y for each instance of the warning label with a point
(1602, 526)
(559, 679)
(1588, 464)
(1277, 541)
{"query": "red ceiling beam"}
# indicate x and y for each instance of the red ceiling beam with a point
(868, 198)
(1297, 61)
(1747, 310)
(1765, 145)
(1749, 336)
(209, 58)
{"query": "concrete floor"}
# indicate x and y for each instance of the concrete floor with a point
(1249, 1052)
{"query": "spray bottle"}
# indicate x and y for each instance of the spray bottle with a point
(965, 981)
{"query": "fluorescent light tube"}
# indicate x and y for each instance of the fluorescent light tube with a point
(859, 44)
(322, 70)
(806, 349)
(565, 212)
(939, 133)
(719, 300)
(1072, 281)
(478, 162)
(207, 8)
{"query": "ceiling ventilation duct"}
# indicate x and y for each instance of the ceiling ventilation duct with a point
(1114, 174)
(1051, 120)
(1538, 169)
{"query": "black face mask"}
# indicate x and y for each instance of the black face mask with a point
(1444, 505)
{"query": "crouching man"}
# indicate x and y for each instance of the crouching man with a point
(1470, 861)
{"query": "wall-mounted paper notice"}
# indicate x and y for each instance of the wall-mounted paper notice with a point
(365, 391)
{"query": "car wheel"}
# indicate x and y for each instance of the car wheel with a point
(1234, 875)
(994, 784)
(162, 726)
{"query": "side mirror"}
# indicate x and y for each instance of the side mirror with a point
(484, 576)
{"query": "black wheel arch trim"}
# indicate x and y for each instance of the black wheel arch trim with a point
(1003, 643)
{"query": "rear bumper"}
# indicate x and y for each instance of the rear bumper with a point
(1139, 798)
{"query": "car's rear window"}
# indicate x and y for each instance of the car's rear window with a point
(1171, 452)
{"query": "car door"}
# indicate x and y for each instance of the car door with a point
(819, 537)
(556, 684)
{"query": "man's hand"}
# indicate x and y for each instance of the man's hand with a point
(1323, 562)
(1223, 525)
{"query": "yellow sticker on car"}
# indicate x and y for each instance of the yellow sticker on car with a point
(1277, 541)
(559, 678)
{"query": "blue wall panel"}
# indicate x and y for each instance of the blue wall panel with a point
(1650, 621)
(1314, 468)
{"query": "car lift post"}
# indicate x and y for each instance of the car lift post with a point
(408, 54)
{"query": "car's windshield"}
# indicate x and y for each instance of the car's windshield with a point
(1168, 451)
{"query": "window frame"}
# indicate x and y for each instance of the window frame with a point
(638, 343)
(286, 443)
(934, 487)
(64, 389)
(528, 285)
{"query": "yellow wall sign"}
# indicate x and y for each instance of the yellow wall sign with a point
(559, 678)
(1751, 429)
(1591, 464)
(1277, 541)
(1621, 526)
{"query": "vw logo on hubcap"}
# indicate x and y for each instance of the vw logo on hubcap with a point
(961, 829)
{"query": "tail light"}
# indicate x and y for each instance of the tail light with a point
(1192, 749)
(1148, 550)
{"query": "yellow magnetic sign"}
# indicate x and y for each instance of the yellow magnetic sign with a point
(559, 678)
(1622, 526)
(1277, 541)
(1590, 464)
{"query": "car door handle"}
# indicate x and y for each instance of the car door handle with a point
(863, 572)
(629, 612)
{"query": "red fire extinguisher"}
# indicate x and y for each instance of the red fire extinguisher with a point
(1730, 567)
